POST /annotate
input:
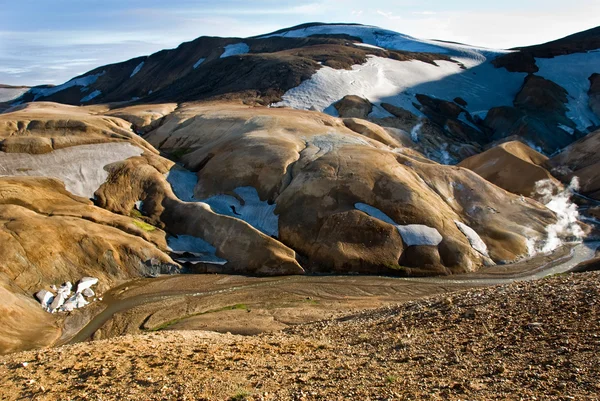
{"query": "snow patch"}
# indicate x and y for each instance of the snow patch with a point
(45, 298)
(251, 209)
(247, 206)
(200, 61)
(474, 238)
(235, 49)
(81, 168)
(202, 250)
(328, 142)
(137, 69)
(86, 282)
(91, 96)
(63, 301)
(412, 234)
(183, 183)
(566, 128)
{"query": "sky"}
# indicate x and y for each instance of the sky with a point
(51, 41)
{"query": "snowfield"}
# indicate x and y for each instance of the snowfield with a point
(572, 72)
(481, 85)
(396, 82)
(252, 210)
(202, 250)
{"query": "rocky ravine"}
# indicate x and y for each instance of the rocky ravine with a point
(527, 340)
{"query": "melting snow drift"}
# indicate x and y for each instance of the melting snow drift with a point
(63, 300)
(248, 207)
(412, 234)
(200, 61)
(255, 212)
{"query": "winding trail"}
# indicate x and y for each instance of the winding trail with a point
(363, 285)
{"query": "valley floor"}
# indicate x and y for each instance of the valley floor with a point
(527, 340)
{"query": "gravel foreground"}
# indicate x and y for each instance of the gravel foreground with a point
(525, 341)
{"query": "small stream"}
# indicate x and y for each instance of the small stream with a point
(114, 304)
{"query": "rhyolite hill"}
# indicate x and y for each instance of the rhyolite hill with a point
(314, 149)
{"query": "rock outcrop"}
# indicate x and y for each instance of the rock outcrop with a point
(512, 166)
(582, 160)
(41, 127)
(353, 107)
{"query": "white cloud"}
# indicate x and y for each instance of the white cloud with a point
(13, 70)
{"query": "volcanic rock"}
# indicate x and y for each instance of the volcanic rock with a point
(353, 107)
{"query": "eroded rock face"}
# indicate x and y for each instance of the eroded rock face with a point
(318, 170)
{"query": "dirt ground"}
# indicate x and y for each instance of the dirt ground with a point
(527, 340)
(251, 305)
(241, 304)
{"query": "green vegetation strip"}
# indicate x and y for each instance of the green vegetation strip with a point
(144, 226)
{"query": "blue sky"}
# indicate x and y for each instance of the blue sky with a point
(50, 41)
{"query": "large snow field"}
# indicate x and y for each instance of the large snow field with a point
(396, 82)
(572, 72)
